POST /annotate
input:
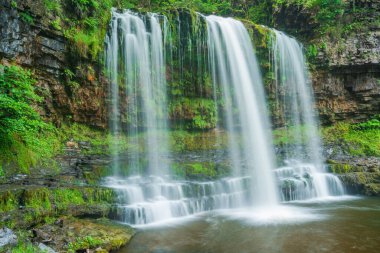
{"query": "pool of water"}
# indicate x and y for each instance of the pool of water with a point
(331, 225)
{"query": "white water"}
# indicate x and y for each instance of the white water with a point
(304, 176)
(145, 200)
(235, 71)
(135, 62)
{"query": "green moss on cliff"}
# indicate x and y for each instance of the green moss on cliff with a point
(32, 205)
(25, 139)
(196, 113)
(354, 138)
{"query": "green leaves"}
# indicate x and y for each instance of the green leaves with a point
(17, 83)
(23, 134)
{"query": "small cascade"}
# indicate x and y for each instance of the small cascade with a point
(144, 200)
(297, 182)
(304, 176)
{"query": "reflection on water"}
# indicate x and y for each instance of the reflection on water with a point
(344, 226)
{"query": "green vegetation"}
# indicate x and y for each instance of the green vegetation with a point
(25, 247)
(200, 171)
(290, 135)
(27, 18)
(362, 139)
(197, 113)
(357, 139)
(41, 204)
(87, 242)
(25, 138)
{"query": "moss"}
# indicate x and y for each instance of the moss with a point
(196, 113)
(37, 199)
(87, 242)
(83, 234)
(39, 204)
(25, 247)
(200, 170)
(372, 189)
(198, 141)
(342, 168)
(357, 142)
(8, 201)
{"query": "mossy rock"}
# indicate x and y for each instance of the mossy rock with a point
(24, 207)
(69, 234)
(366, 183)
(372, 189)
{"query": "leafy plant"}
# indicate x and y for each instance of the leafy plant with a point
(56, 24)
(24, 136)
(84, 243)
(370, 124)
(27, 18)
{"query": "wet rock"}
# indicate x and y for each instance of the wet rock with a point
(365, 183)
(46, 52)
(41, 235)
(45, 248)
(7, 237)
(87, 235)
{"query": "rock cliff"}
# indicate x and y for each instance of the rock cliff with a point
(28, 39)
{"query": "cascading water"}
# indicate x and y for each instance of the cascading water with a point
(136, 64)
(304, 176)
(235, 70)
(140, 58)
(135, 61)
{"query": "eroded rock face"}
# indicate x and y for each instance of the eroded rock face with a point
(347, 94)
(347, 81)
(35, 45)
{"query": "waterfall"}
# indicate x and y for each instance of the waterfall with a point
(235, 70)
(135, 54)
(142, 53)
(304, 176)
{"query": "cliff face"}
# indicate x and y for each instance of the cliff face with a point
(28, 39)
(346, 76)
(349, 88)
(346, 60)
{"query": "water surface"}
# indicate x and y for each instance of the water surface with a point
(351, 225)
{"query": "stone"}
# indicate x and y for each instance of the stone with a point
(45, 248)
(7, 237)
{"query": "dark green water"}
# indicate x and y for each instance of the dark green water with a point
(345, 226)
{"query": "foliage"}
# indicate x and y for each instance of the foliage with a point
(290, 135)
(13, 4)
(27, 18)
(198, 113)
(372, 124)
(357, 139)
(25, 247)
(24, 137)
(86, 242)
(199, 170)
